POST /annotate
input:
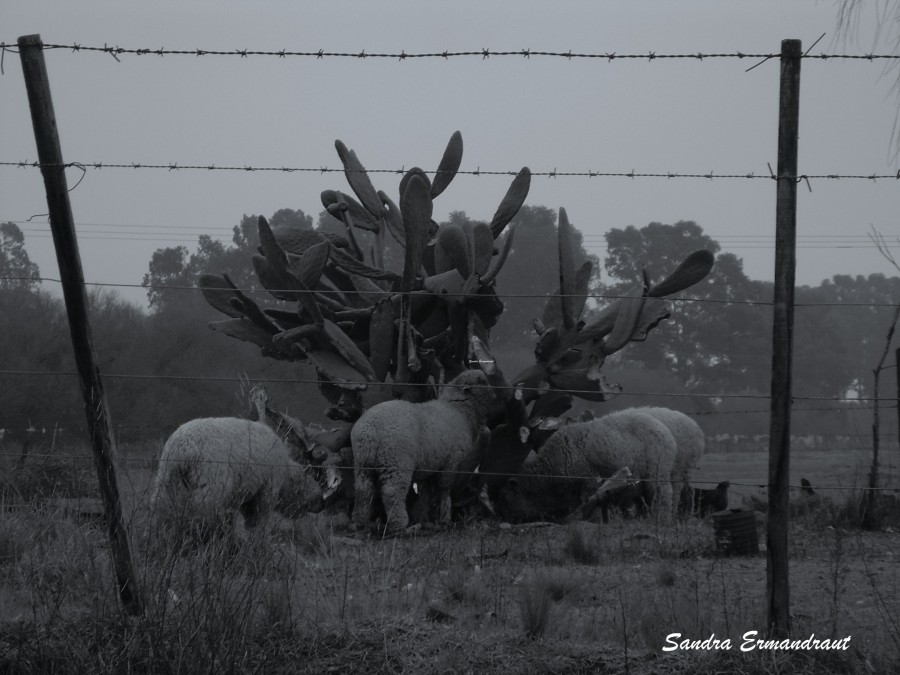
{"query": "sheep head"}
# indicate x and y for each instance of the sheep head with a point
(299, 494)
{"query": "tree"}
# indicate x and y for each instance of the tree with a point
(719, 337)
(16, 268)
(851, 312)
(173, 269)
(34, 338)
(281, 218)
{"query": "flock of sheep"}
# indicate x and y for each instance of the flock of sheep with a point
(216, 469)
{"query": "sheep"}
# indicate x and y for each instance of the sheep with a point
(396, 443)
(690, 440)
(611, 490)
(563, 475)
(691, 443)
(212, 467)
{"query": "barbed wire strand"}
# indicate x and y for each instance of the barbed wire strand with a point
(512, 387)
(483, 53)
(554, 173)
(453, 472)
(18, 432)
(595, 296)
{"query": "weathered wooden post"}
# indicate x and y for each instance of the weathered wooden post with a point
(63, 227)
(777, 584)
(897, 393)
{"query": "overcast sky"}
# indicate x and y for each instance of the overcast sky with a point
(679, 116)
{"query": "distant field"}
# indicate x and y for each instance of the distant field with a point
(833, 472)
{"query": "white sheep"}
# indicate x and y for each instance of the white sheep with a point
(564, 473)
(212, 467)
(397, 442)
(691, 443)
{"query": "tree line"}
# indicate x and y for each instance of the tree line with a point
(715, 346)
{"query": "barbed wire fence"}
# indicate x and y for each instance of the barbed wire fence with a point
(116, 51)
(484, 54)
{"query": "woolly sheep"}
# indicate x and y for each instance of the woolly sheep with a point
(212, 467)
(612, 490)
(563, 475)
(690, 441)
(397, 442)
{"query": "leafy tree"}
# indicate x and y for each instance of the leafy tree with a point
(719, 338)
(174, 268)
(16, 268)
(840, 327)
(282, 218)
(34, 338)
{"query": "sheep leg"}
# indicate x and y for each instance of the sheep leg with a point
(363, 506)
(394, 487)
(664, 499)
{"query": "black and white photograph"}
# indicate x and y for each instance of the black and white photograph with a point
(450, 337)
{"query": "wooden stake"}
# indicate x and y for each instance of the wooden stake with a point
(897, 375)
(777, 584)
(62, 224)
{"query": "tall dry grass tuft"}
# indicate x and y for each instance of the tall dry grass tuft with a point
(876, 512)
(461, 585)
(558, 582)
(535, 605)
(579, 547)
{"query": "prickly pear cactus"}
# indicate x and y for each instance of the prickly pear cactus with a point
(569, 353)
(357, 322)
(361, 324)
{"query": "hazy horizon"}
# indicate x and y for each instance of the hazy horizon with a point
(680, 116)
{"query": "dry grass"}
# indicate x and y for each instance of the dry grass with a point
(310, 597)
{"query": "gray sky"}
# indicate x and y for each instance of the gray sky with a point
(680, 116)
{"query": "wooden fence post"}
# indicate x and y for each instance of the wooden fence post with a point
(62, 224)
(897, 375)
(777, 584)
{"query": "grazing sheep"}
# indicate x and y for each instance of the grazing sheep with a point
(563, 475)
(212, 467)
(691, 442)
(396, 443)
(613, 490)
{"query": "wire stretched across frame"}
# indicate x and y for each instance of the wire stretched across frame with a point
(884, 401)
(554, 173)
(594, 296)
(484, 53)
(143, 460)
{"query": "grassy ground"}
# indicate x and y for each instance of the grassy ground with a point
(480, 598)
